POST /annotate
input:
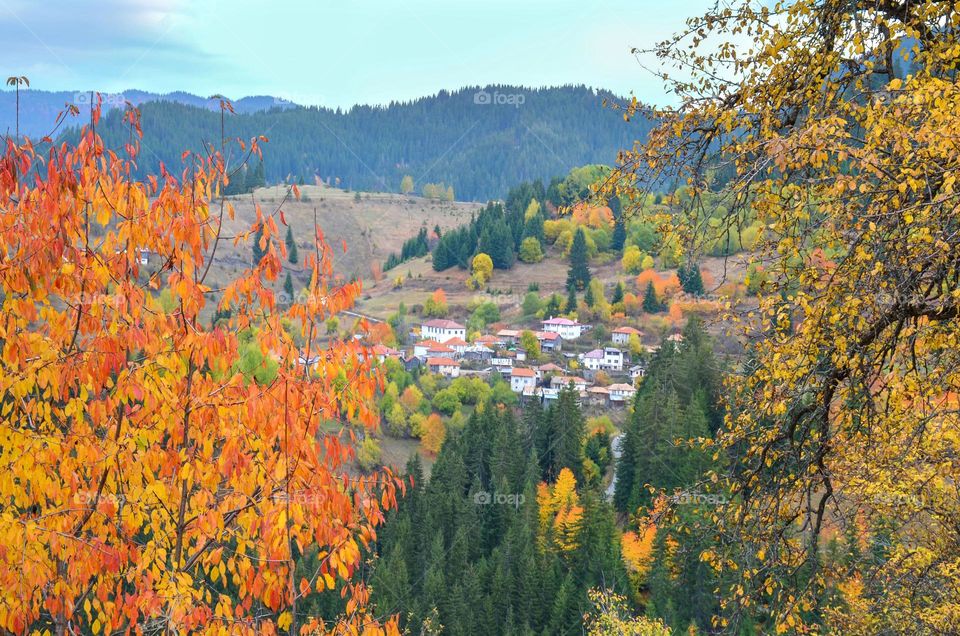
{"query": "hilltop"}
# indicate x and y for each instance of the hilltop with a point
(480, 140)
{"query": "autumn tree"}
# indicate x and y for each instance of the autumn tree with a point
(530, 344)
(482, 268)
(406, 184)
(835, 133)
(151, 484)
(436, 305)
(530, 250)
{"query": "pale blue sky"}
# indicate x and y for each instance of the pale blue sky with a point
(335, 53)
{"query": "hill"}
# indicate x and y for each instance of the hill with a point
(39, 109)
(371, 224)
(479, 140)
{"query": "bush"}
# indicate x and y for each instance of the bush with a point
(369, 454)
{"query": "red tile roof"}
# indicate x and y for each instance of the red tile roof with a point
(442, 362)
(523, 372)
(440, 323)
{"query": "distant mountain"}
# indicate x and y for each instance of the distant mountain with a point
(39, 109)
(480, 140)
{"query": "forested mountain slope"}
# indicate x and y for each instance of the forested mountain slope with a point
(480, 141)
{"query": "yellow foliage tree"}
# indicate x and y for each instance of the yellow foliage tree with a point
(839, 129)
(482, 268)
(560, 512)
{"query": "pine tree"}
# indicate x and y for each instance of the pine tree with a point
(292, 255)
(619, 225)
(288, 288)
(618, 293)
(579, 273)
(571, 299)
(588, 297)
(690, 278)
(258, 252)
(651, 304)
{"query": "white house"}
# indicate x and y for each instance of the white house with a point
(621, 335)
(522, 378)
(637, 371)
(568, 329)
(508, 336)
(382, 352)
(458, 345)
(560, 381)
(502, 363)
(444, 366)
(606, 359)
(621, 392)
(549, 340)
(442, 330)
(548, 369)
(541, 393)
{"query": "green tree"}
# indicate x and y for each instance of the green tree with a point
(259, 252)
(618, 293)
(288, 288)
(530, 250)
(530, 344)
(651, 303)
(292, 255)
(571, 306)
(691, 280)
(578, 276)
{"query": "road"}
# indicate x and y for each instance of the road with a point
(616, 450)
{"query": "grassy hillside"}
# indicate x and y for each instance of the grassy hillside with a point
(372, 227)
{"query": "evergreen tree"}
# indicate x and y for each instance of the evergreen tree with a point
(292, 255)
(552, 308)
(691, 280)
(578, 275)
(571, 299)
(652, 304)
(588, 296)
(619, 225)
(258, 252)
(618, 293)
(288, 288)
(497, 242)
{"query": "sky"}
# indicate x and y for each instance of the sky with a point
(336, 53)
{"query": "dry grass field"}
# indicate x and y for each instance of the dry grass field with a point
(372, 226)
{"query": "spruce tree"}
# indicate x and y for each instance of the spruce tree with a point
(258, 252)
(288, 288)
(292, 255)
(651, 304)
(618, 293)
(588, 297)
(691, 280)
(579, 273)
(571, 299)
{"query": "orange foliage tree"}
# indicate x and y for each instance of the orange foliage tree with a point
(147, 483)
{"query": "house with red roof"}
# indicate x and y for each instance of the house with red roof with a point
(522, 378)
(621, 335)
(447, 367)
(566, 328)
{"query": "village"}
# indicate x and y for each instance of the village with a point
(604, 376)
